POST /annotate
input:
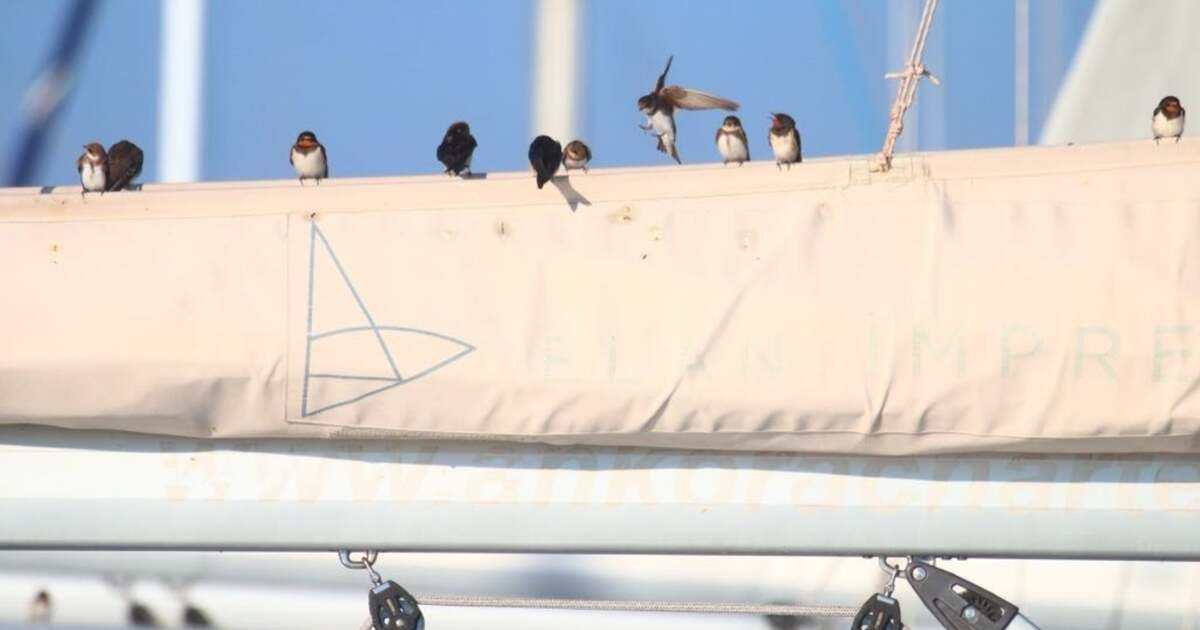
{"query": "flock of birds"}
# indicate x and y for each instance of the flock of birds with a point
(546, 155)
(41, 612)
(102, 171)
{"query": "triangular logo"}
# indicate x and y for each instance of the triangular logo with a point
(348, 355)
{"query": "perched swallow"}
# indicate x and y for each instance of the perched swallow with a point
(39, 608)
(1167, 121)
(93, 168)
(576, 155)
(308, 157)
(545, 154)
(195, 618)
(124, 164)
(456, 149)
(731, 141)
(140, 615)
(659, 107)
(785, 140)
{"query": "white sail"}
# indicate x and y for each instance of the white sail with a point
(1132, 54)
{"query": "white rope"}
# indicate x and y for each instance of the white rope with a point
(909, 77)
(639, 606)
(615, 605)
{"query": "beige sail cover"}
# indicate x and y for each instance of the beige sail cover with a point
(1034, 300)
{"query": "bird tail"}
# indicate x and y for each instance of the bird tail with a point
(669, 149)
(542, 178)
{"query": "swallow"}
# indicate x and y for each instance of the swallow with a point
(731, 141)
(193, 617)
(576, 155)
(785, 140)
(39, 608)
(124, 164)
(659, 107)
(309, 159)
(545, 154)
(93, 168)
(140, 615)
(1167, 121)
(456, 149)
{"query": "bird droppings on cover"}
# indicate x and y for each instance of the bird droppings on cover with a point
(747, 240)
(501, 229)
(624, 215)
(656, 233)
(823, 211)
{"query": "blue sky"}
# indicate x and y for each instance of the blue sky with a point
(379, 81)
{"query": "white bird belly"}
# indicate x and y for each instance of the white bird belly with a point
(311, 164)
(92, 178)
(732, 148)
(573, 163)
(786, 149)
(663, 124)
(1164, 127)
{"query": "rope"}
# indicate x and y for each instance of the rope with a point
(638, 606)
(614, 605)
(909, 78)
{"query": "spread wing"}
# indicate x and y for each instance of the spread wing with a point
(684, 98)
(662, 78)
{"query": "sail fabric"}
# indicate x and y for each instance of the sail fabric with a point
(1031, 300)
